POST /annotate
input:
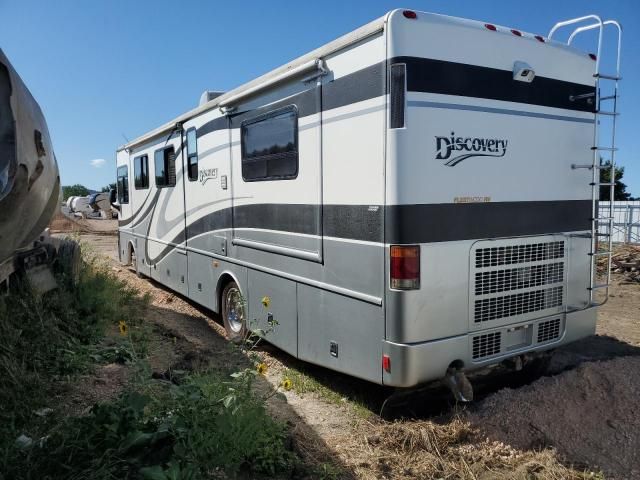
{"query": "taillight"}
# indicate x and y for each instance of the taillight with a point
(405, 267)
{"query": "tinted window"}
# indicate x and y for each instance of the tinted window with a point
(141, 172)
(270, 146)
(123, 184)
(192, 154)
(165, 167)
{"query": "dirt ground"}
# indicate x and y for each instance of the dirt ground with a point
(583, 418)
(64, 224)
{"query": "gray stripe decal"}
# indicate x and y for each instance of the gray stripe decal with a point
(122, 223)
(502, 111)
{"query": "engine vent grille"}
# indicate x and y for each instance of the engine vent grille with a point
(517, 278)
(548, 330)
(517, 304)
(514, 254)
(486, 345)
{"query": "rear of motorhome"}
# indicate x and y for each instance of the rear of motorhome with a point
(413, 198)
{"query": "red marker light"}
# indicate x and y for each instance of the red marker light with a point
(539, 38)
(386, 363)
(517, 33)
(593, 57)
(410, 14)
(488, 26)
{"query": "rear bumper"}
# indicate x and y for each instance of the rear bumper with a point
(417, 363)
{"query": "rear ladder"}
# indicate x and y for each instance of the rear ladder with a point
(600, 146)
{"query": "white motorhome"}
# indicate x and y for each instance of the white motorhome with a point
(413, 198)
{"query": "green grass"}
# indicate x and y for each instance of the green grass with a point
(164, 432)
(209, 425)
(46, 339)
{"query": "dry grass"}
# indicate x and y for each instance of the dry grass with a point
(426, 449)
(455, 450)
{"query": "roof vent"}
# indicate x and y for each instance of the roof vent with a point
(207, 96)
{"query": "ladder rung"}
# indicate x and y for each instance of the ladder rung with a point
(605, 184)
(598, 254)
(607, 77)
(600, 234)
(600, 285)
(607, 149)
(575, 166)
(611, 114)
(609, 97)
(603, 219)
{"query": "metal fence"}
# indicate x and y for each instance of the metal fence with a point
(626, 220)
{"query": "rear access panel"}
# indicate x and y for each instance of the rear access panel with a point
(516, 279)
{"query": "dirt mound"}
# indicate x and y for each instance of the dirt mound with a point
(590, 415)
(62, 223)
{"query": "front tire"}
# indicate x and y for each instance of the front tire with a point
(234, 312)
(134, 264)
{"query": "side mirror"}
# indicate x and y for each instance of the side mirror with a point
(113, 200)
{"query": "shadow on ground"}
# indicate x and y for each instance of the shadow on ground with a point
(198, 347)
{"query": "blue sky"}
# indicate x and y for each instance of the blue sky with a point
(103, 70)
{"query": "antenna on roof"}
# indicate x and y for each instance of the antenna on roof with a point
(127, 140)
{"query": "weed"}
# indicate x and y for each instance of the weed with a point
(208, 425)
(46, 339)
(302, 383)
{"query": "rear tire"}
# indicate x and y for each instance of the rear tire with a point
(233, 312)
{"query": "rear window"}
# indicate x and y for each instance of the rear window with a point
(270, 146)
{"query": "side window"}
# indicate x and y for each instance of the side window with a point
(123, 184)
(270, 146)
(141, 172)
(192, 154)
(165, 166)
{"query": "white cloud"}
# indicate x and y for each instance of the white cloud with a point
(98, 162)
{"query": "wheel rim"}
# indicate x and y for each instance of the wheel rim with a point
(235, 309)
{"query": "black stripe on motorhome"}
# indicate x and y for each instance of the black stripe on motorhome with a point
(467, 221)
(357, 222)
(450, 78)
(405, 224)
(428, 76)
(355, 87)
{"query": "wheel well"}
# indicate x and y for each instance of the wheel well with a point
(223, 281)
(131, 251)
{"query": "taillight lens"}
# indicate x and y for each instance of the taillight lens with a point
(405, 267)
